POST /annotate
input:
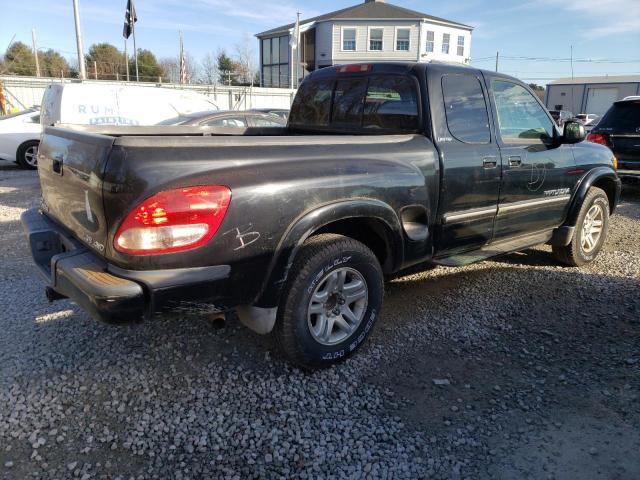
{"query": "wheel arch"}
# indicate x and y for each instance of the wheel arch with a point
(372, 222)
(604, 178)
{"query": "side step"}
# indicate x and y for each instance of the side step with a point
(495, 249)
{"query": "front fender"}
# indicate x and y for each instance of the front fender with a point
(597, 175)
(309, 222)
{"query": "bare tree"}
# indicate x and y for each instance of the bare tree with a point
(209, 69)
(171, 69)
(245, 60)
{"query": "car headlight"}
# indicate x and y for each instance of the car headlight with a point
(614, 161)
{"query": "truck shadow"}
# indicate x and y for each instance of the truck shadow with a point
(443, 301)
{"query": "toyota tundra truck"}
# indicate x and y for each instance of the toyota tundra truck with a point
(382, 168)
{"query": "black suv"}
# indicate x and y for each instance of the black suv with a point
(619, 130)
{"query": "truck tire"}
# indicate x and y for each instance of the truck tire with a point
(331, 301)
(591, 231)
(27, 155)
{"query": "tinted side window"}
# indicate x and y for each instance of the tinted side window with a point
(312, 104)
(391, 103)
(521, 118)
(466, 109)
(348, 101)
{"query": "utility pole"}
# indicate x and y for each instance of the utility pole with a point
(81, 66)
(497, 60)
(135, 49)
(573, 100)
(298, 57)
(35, 51)
(95, 69)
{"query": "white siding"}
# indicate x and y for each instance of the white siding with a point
(362, 53)
(324, 45)
(437, 54)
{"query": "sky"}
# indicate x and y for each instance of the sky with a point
(534, 37)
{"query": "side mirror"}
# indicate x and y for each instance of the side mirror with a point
(574, 132)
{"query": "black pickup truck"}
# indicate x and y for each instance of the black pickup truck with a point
(381, 168)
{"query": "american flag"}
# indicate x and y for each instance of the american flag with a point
(183, 62)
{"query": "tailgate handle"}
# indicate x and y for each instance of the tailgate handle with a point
(57, 165)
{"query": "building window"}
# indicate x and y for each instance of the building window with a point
(349, 39)
(430, 41)
(275, 62)
(460, 46)
(403, 41)
(375, 39)
(446, 38)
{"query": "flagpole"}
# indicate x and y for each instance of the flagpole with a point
(135, 50)
(126, 58)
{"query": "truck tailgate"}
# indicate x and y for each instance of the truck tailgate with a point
(70, 166)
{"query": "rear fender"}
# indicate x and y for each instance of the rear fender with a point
(310, 222)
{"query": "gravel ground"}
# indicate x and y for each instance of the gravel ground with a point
(509, 369)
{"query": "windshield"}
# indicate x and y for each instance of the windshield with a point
(186, 118)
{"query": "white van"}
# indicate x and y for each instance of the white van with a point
(112, 104)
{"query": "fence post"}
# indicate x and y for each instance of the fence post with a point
(3, 103)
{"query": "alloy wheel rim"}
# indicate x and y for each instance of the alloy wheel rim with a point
(337, 306)
(31, 156)
(592, 228)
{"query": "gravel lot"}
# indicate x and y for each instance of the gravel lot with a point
(509, 369)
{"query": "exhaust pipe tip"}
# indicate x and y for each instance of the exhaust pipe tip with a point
(52, 295)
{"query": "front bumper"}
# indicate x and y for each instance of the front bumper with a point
(107, 292)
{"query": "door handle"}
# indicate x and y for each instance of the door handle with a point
(515, 161)
(490, 162)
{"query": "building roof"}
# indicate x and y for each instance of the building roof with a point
(369, 10)
(602, 79)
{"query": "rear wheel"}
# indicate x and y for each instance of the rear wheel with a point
(27, 155)
(592, 227)
(331, 301)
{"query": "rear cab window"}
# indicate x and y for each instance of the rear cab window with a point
(373, 103)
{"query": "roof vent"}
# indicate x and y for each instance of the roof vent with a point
(373, 1)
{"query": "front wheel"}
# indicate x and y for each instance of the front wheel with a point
(331, 302)
(592, 227)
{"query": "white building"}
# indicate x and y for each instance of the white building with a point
(590, 94)
(371, 31)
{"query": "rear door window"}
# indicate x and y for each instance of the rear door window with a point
(391, 104)
(466, 108)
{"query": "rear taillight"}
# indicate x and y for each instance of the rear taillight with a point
(597, 138)
(174, 220)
